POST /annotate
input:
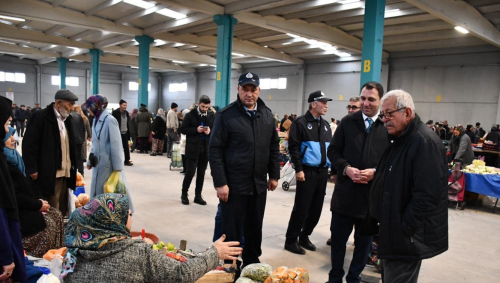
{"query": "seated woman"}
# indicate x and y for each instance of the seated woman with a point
(102, 250)
(460, 146)
(41, 225)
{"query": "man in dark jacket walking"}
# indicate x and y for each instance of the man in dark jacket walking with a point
(308, 140)
(356, 148)
(79, 134)
(196, 126)
(49, 150)
(121, 115)
(21, 117)
(13, 115)
(243, 150)
(409, 196)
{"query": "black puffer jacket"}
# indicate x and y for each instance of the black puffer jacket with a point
(189, 127)
(409, 196)
(243, 150)
(159, 128)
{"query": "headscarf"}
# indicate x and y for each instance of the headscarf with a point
(96, 104)
(161, 113)
(7, 194)
(78, 110)
(13, 156)
(134, 113)
(101, 221)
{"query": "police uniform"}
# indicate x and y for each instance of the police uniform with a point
(308, 141)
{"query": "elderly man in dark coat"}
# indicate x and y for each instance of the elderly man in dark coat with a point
(49, 150)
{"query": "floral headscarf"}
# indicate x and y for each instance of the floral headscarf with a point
(96, 104)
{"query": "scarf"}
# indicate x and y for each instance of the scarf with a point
(101, 221)
(96, 104)
(13, 156)
(161, 113)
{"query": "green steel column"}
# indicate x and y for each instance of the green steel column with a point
(144, 42)
(224, 48)
(373, 39)
(95, 70)
(62, 72)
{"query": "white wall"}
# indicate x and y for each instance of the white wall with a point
(23, 93)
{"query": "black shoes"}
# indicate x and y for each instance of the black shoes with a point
(153, 154)
(294, 248)
(128, 163)
(329, 242)
(183, 172)
(199, 200)
(159, 154)
(184, 199)
(306, 244)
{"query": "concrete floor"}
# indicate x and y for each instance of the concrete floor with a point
(474, 253)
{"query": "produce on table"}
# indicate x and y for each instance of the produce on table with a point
(479, 167)
(285, 275)
(170, 251)
(257, 271)
(81, 200)
(79, 180)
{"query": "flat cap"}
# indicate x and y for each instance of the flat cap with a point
(65, 94)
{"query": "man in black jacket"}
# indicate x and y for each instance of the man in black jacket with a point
(20, 120)
(409, 197)
(79, 134)
(121, 115)
(308, 140)
(356, 148)
(13, 115)
(243, 150)
(49, 150)
(196, 126)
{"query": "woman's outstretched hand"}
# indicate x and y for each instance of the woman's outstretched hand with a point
(227, 250)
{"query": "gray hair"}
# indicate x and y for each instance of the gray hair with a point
(355, 99)
(403, 99)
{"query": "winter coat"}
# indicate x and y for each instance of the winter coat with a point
(463, 150)
(28, 198)
(131, 261)
(118, 116)
(143, 123)
(21, 115)
(159, 128)
(410, 195)
(107, 147)
(78, 128)
(132, 127)
(172, 120)
(242, 150)
(352, 145)
(42, 149)
(189, 127)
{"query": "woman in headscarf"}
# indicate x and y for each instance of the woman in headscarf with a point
(41, 225)
(132, 127)
(460, 146)
(159, 129)
(106, 145)
(102, 250)
(88, 130)
(11, 246)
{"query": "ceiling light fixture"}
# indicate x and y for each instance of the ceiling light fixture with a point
(203, 65)
(178, 62)
(134, 67)
(348, 1)
(462, 30)
(287, 43)
(265, 46)
(391, 11)
(171, 14)
(12, 18)
(238, 54)
(140, 3)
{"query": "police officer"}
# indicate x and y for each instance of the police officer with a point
(308, 140)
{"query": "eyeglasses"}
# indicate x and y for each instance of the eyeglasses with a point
(353, 107)
(388, 114)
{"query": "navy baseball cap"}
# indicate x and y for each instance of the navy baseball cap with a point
(318, 96)
(249, 79)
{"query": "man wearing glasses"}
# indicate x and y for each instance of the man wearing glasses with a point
(354, 105)
(356, 148)
(408, 201)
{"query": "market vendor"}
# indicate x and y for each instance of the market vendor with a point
(460, 146)
(102, 250)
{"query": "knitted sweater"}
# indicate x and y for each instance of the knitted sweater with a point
(132, 260)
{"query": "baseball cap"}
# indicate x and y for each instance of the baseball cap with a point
(249, 79)
(318, 96)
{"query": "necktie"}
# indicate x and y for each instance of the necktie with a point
(370, 123)
(252, 113)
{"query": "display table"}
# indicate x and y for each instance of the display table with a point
(485, 151)
(488, 185)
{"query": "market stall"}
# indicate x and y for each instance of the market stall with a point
(482, 179)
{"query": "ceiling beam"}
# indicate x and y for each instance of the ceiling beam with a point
(249, 6)
(17, 50)
(56, 3)
(461, 13)
(201, 6)
(23, 24)
(116, 40)
(324, 10)
(134, 60)
(423, 36)
(48, 47)
(11, 32)
(74, 52)
(197, 28)
(302, 6)
(44, 12)
(360, 19)
(415, 27)
(354, 12)
(191, 20)
(140, 13)
(54, 29)
(82, 34)
(393, 21)
(101, 7)
(128, 44)
(437, 44)
(46, 60)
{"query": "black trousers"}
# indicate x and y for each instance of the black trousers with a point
(134, 141)
(245, 211)
(79, 159)
(172, 137)
(144, 144)
(308, 205)
(125, 138)
(195, 165)
(20, 128)
(400, 270)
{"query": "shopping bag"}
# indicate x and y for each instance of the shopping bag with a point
(116, 184)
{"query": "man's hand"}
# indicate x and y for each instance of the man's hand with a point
(272, 184)
(334, 178)
(207, 131)
(89, 167)
(300, 176)
(175, 130)
(34, 176)
(223, 193)
(200, 129)
(89, 139)
(45, 206)
(368, 174)
(7, 271)
(355, 175)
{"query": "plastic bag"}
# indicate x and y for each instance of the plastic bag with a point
(116, 184)
(56, 265)
(47, 277)
(246, 280)
(285, 275)
(71, 201)
(257, 271)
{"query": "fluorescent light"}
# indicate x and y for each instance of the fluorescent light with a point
(287, 43)
(134, 67)
(203, 65)
(238, 54)
(391, 11)
(213, 66)
(140, 3)
(171, 14)
(265, 46)
(178, 62)
(159, 41)
(12, 18)
(343, 54)
(348, 1)
(461, 29)
(178, 45)
(293, 35)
